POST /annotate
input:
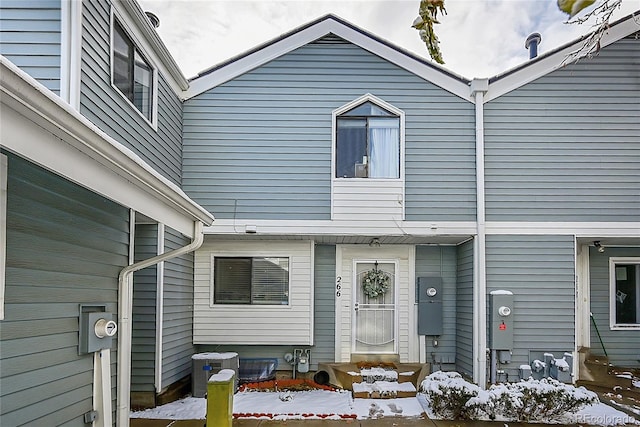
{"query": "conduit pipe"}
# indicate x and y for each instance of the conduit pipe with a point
(125, 289)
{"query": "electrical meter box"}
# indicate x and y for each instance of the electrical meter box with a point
(501, 320)
(96, 328)
(430, 311)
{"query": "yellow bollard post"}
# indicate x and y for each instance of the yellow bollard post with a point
(220, 389)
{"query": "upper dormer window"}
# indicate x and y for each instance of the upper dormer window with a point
(367, 143)
(132, 74)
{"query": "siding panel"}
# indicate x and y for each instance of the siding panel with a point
(540, 272)
(83, 237)
(440, 261)
(268, 132)
(464, 309)
(143, 338)
(30, 38)
(324, 313)
(107, 108)
(566, 147)
(177, 345)
(254, 324)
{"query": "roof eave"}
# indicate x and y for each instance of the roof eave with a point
(328, 24)
(73, 133)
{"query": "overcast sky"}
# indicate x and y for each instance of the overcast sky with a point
(479, 38)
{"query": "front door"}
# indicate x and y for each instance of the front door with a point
(374, 308)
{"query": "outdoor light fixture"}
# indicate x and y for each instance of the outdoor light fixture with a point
(598, 246)
(374, 243)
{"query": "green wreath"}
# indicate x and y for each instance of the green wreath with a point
(375, 283)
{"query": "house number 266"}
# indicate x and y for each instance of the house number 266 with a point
(338, 286)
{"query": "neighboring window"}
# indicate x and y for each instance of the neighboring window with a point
(625, 292)
(3, 227)
(367, 143)
(132, 74)
(251, 280)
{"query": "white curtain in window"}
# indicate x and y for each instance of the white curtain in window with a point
(385, 148)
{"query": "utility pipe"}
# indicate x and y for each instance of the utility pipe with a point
(125, 288)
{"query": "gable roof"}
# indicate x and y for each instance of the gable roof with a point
(328, 24)
(562, 56)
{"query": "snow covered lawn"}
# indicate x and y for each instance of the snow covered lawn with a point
(318, 404)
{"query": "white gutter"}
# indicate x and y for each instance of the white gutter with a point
(478, 88)
(125, 289)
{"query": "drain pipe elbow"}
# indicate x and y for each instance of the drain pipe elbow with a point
(125, 298)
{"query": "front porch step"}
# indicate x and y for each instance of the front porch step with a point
(383, 390)
(377, 380)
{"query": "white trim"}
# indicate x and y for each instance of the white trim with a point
(396, 311)
(580, 229)
(71, 52)
(613, 261)
(479, 88)
(545, 64)
(153, 120)
(65, 48)
(343, 227)
(4, 165)
(330, 24)
(145, 36)
(367, 184)
(42, 128)
(312, 291)
(337, 333)
(583, 298)
(415, 340)
(160, 249)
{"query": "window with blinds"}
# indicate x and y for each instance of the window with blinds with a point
(251, 280)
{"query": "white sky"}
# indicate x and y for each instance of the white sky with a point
(479, 38)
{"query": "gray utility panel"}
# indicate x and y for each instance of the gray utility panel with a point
(430, 306)
(501, 320)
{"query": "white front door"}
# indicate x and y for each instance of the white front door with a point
(374, 308)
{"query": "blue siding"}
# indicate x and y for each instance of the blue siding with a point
(30, 38)
(107, 108)
(464, 309)
(566, 147)
(540, 272)
(65, 247)
(259, 146)
(440, 261)
(143, 339)
(177, 341)
(324, 304)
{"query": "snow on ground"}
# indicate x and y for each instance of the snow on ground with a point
(327, 404)
(601, 415)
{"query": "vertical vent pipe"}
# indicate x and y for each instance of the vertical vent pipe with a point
(532, 43)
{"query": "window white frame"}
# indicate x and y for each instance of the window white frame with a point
(351, 105)
(613, 262)
(115, 16)
(253, 256)
(3, 227)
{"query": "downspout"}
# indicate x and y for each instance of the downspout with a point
(478, 88)
(125, 290)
